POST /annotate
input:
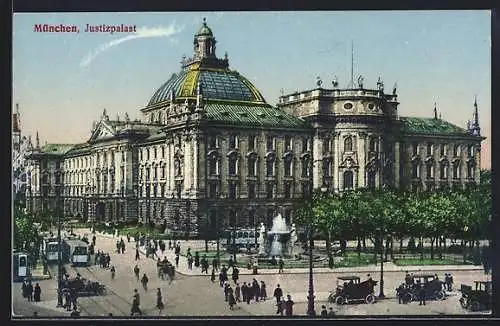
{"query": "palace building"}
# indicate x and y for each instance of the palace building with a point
(210, 152)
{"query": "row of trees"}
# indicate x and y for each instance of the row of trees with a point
(392, 214)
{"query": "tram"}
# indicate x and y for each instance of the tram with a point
(50, 250)
(242, 238)
(20, 266)
(75, 252)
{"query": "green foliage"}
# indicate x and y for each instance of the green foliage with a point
(25, 231)
(464, 214)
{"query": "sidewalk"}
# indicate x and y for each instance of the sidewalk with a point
(37, 273)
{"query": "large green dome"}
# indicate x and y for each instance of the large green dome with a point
(216, 84)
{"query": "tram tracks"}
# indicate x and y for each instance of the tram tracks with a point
(103, 302)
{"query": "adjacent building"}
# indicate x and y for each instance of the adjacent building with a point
(211, 153)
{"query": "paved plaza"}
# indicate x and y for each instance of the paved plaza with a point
(193, 294)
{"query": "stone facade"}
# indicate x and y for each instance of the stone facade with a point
(210, 153)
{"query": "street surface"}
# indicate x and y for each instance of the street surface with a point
(192, 295)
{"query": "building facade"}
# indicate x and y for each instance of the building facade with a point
(211, 153)
(20, 146)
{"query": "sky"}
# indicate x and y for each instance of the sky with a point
(63, 81)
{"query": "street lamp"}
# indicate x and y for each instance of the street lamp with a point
(59, 258)
(381, 294)
(310, 298)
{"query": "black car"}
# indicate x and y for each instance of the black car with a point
(433, 288)
(476, 299)
(350, 289)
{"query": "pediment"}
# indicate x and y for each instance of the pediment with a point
(102, 131)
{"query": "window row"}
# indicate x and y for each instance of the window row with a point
(270, 190)
(443, 171)
(252, 166)
(213, 142)
(443, 149)
(151, 153)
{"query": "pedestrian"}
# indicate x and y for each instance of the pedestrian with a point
(30, 291)
(108, 260)
(232, 300)
(256, 290)
(237, 293)
(135, 304)
(324, 312)
(159, 301)
(37, 292)
(144, 281)
(244, 291)
(136, 272)
(73, 296)
(158, 267)
(215, 264)
(249, 292)
(399, 292)
(212, 277)
(226, 291)
(408, 279)
(137, 257)
(230, 263)
(281, 264)
(24, 289)
(331, 313)
(67, 300)
(112, 270)
(190, 262)
(263, 292)
(421, 293)
(280, 305)
(450, 282)
(169, 244)
(128, 238)
(96, 257)
(197, 259)
(289, 306)
(176, 260)
(278, 293)
(93, 240)
(236, 274)
(123, 247)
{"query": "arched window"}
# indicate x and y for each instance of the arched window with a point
(213, 166)
(270, 167)
(348, 180)
(443, 173)
(177, 166)
(348, 144)
(160, 117)
(233, 164)
(305, 167)
(456, 170)
(152, 118)
(430, 170)
(252, 163)
(415, 170)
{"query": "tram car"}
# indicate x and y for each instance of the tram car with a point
(50, 250)
(241, 238)
(20, 266)
(75, 252)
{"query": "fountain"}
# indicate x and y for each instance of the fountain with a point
(279, 234)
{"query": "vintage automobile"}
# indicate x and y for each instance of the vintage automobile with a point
(349, 289)
(84, 287)
(478, 299)
(433, 288)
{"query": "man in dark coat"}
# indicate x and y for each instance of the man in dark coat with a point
(244, 291)
(281, 264)
(137, 256)
(29, 291)
(278, 293)
(176, 261)
(215, 264)
(196, 259)
(289, 306)
(37, 292)
(256, 290)
(237, 293)
(324, 312)
(421, 294)
(236, 274)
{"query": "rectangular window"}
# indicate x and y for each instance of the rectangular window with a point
(58, 165)
(212, 190)
(288, 143)
(270, 168)
(147, 173)
(147, 154)
(305, 144)
(456, 174)
(288, 190)
(443, 150)
(305, 190)
(232, 191)
(415, 148)
(233, 141)
(305, 168)
(233, 163)
(470, 150)
(213, 141)
(326, 146)
(252, 162)
(456, 150)
(269, 191)
(251, 190)
(270, 143)
(443, 174)
(163, 152)
(430, 149)
(430, 171)
(252, 142)
(326, 168)
(414, 171)
(288, 166)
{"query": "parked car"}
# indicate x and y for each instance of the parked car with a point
(476, 299)
(433, 288)
(349, 289)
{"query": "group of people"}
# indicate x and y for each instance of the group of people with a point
(120, 246)
(103, 259)
(136, 303)
(30, 292)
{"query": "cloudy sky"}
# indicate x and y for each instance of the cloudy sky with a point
(62, 81)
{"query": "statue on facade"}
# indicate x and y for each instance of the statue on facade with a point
(394, 88)
(318, 81)
(127, 119)
(293, 239)
(262, 239)
(360, 81)
(380, 85)
(335, 82)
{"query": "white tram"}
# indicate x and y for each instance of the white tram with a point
(20, 266)
(76, 252)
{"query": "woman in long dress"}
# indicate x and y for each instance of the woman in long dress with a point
(159, 302)
(263, 292)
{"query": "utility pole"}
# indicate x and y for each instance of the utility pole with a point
(59, 258)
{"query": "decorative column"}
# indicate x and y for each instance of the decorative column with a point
(397, 167)
(316, 157)
(336, 162)
(362, 160)
(170, 160)
(188, 165)
(477, 161)
(380, 162)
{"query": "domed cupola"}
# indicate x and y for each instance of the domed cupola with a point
(204, 42)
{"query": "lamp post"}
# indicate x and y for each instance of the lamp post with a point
(310, 298)
(381, 294)
(59, 258)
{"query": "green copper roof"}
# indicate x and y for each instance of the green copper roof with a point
(242, 114)
(431, 126)
(56, 149)
(204, 29)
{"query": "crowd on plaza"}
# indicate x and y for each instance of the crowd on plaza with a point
(30, 292)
